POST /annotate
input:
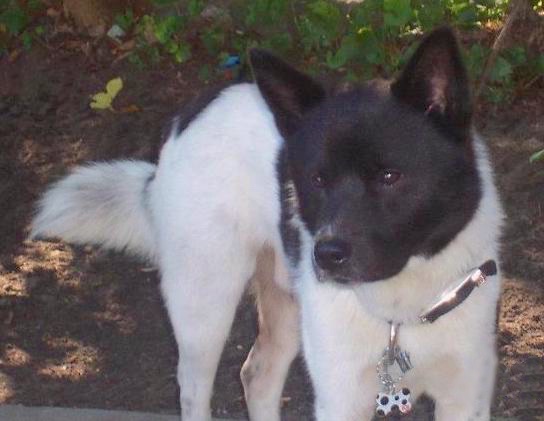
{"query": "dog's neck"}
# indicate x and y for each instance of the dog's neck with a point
(402, 300)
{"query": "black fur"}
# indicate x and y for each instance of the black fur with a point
(288, 92)
(189, 111)
(387, 168)
(435, 81)
(193, 108)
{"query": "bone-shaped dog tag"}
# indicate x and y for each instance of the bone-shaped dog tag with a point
(395, 403)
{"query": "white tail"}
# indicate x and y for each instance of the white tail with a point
(100, 203)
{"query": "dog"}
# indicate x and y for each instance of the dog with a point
(350, 209)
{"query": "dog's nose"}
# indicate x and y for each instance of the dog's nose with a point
(331, 254)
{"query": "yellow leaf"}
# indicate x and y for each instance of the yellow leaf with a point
(103, 100)
(114, 86)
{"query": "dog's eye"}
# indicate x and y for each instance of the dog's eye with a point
(389, 177)
(318, 180)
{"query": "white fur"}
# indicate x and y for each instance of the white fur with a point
(210, 219)
(215, 204)
(100, 203)
(211, 208)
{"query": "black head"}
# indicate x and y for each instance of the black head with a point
(383, 171)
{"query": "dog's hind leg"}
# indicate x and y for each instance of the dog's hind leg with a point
(265, 370)
(202, 288)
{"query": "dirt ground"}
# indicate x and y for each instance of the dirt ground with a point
(81, 327)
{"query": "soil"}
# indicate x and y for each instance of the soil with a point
(80, 327)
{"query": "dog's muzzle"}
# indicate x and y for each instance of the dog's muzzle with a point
(330, 258)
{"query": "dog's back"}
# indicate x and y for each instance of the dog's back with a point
(220, 169)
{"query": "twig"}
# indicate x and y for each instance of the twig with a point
(533, 80)
(517, 6)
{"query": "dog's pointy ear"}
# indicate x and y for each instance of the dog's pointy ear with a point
(435, 82)
(288, 92)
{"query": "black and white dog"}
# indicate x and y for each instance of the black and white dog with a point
(351, 209)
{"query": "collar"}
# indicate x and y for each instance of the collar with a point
(451, 299)
(393, 354)
(446, 303)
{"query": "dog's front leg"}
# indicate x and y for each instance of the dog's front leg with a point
(337, 402)
(340, 354)
(468, 395)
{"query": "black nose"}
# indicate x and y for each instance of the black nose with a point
(332, 254)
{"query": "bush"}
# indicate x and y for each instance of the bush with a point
(359, 40)
(15, 17)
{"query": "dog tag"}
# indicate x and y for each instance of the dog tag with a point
(390, 401)
(402, 358)
(395, 403)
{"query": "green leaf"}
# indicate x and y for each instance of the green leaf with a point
(205, 73)
(324, 19)
(125, 20)
(266, 12)
(367, 13)
(161, 3)
(537, 156)
(180, 51)
(213, 39)
(195, 7)
(370, 49)
(539, 64)
(153, 54)
(464, 13)
(349, 48)
(397, 13)
(34, 5)
(135, 59)
(475, 59)
(27, 40)
(165, 28)
(280, 43)
(501, 71)
(516, 56)
(15, 20)
(362, 47)
(430, 13)
(144, 27)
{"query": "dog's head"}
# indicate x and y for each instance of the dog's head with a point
(383, 171)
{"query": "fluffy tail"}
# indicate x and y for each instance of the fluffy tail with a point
(101, 203)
